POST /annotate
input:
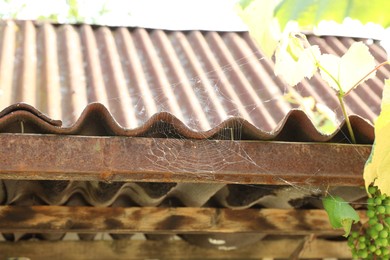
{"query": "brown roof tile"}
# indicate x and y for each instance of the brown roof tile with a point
(202, 78)
(97, 120)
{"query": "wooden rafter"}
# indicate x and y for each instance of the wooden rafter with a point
(176, 249)
(49, 219)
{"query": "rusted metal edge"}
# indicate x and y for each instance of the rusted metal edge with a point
(59, 157)
(97, 120)
(14, 108)
(48, 219)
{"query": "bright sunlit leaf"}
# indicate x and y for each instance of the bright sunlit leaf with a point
(294, 61)
(341, 214)
(266, 19)
(355, 64)
(264, 28)
(327, 119)
(308, 13)
(377, 168)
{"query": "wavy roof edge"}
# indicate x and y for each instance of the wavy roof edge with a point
(96, 120)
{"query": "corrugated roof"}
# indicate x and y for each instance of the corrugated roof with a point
(202, 78)
(96, 120)
(157, 83)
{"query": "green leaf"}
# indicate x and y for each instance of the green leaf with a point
(355, 64)
(244, 3)
(267, 19)
(377, 169)
(263, 27)
(293, 61)
(308, 13)
(341, 214)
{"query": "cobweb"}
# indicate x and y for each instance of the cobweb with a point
(201, 78)
(217, 87)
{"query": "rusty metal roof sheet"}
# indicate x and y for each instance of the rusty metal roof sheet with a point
(96, 120)
(202, 78)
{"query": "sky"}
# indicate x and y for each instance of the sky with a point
(217, 15)
(164, 14)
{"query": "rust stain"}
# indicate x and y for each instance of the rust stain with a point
(81, 225)
(302, 223)
(106, 176)
(45, 226)
(251, 218)
(112, 223)
(174, 222)
(19, 214)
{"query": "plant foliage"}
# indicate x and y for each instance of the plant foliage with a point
(377, 170)
(341, 214)
(308, 13)
(296, 59)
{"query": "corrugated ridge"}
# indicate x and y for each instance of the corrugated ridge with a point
(202, 78)
(129, 194)
(296, 126)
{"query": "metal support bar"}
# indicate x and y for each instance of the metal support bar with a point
(58, 157)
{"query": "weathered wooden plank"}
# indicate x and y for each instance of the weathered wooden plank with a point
(138, 249)
(54, 157)
(46, 219)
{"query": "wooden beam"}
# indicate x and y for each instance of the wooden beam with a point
(176, 249)
(54, 157)
(46, 219)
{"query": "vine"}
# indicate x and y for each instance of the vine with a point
(296, 59)
(372, 240)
